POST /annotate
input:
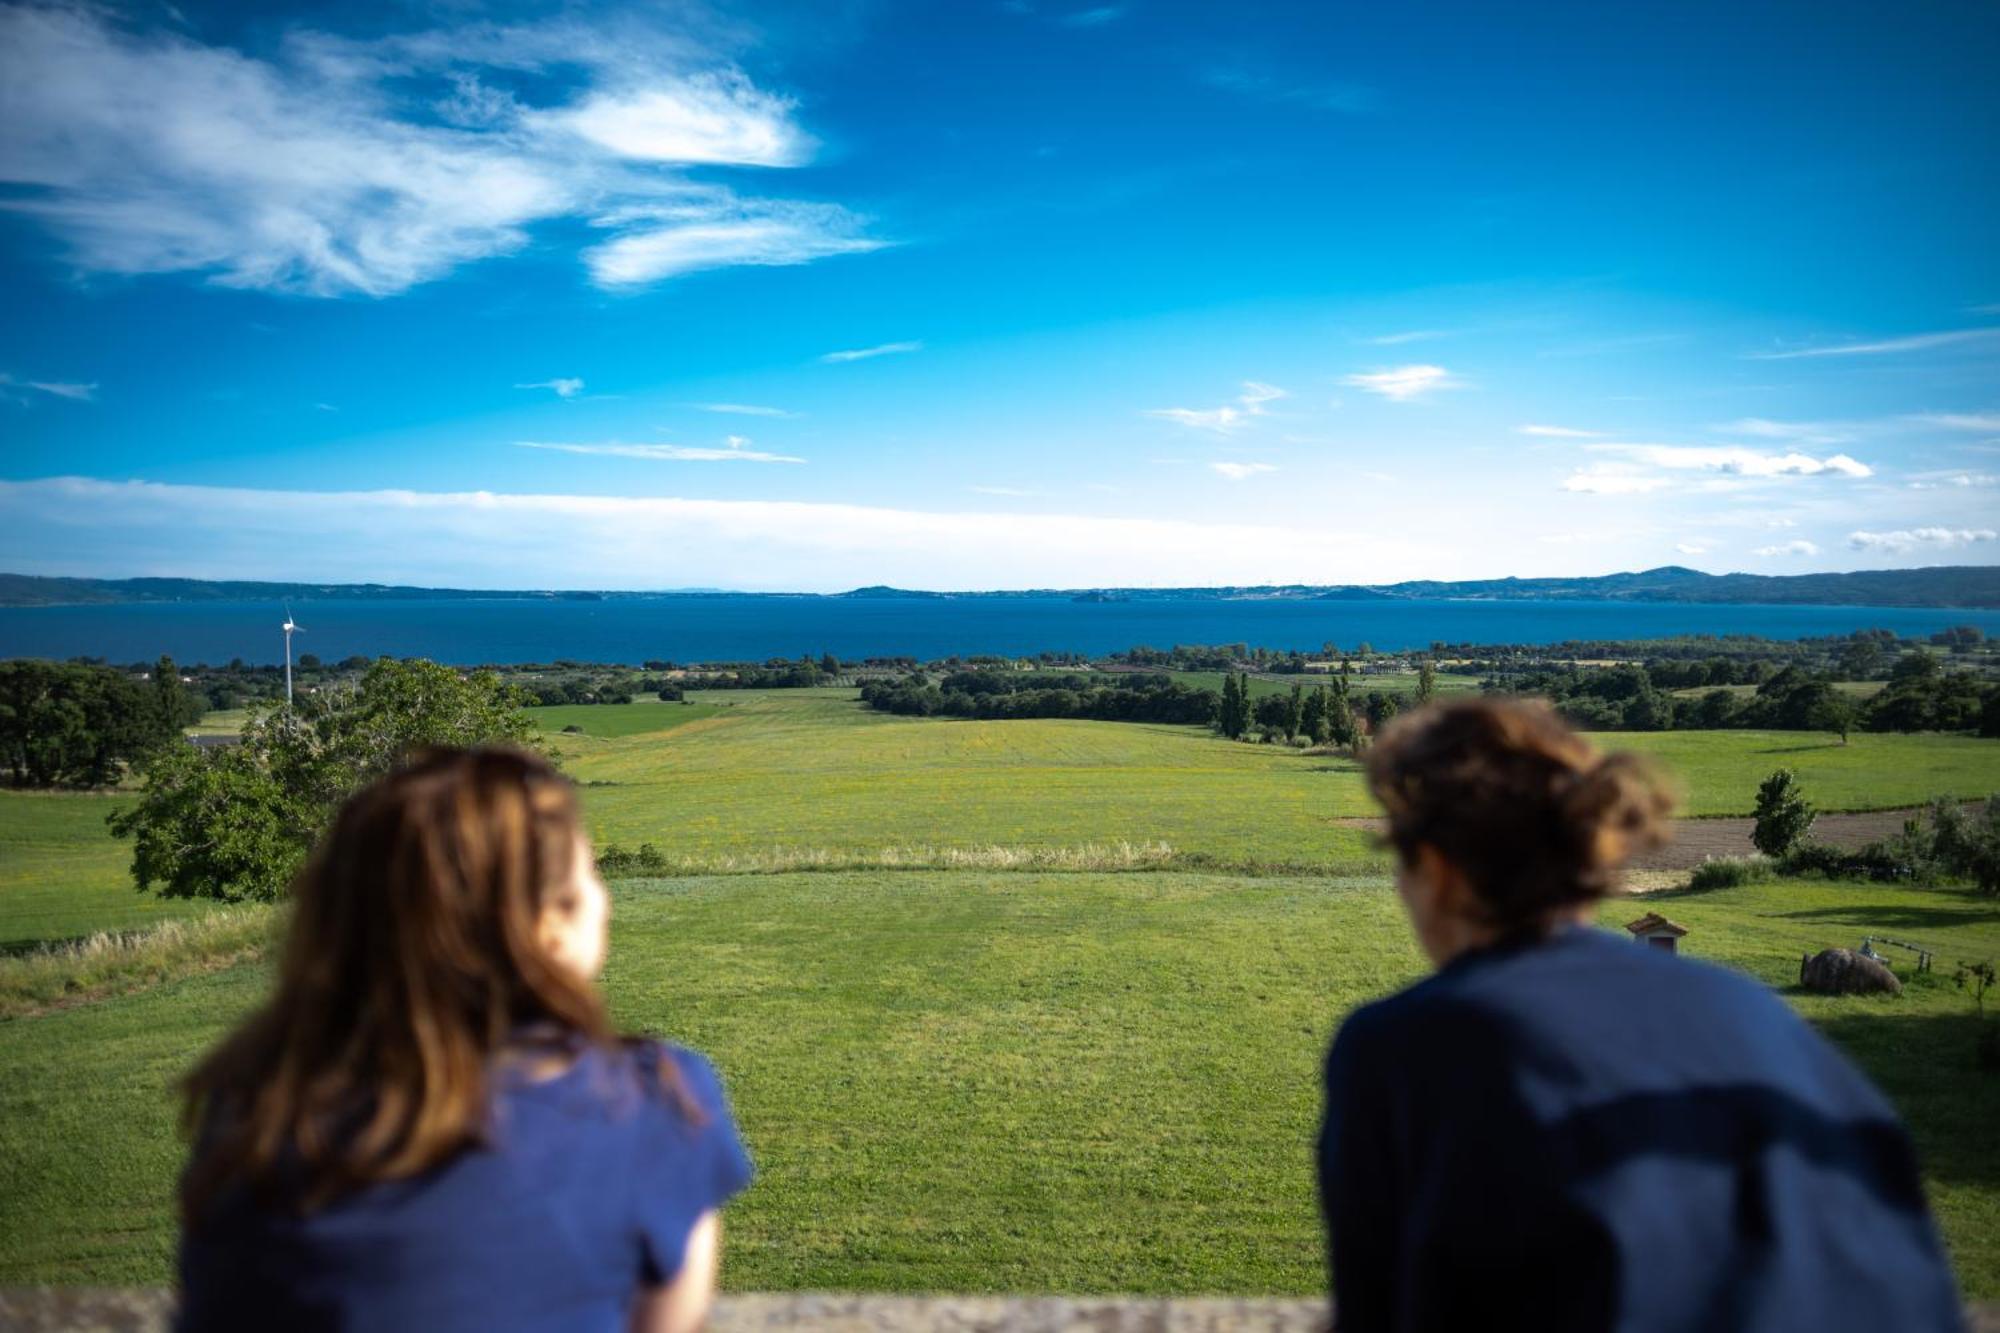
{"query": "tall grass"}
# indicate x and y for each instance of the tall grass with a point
(115, 962)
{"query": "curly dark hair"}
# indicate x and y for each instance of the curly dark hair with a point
(1529, 811)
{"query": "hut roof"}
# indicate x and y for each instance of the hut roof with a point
(1654, 924)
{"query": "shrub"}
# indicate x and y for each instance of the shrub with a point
(1879, 861)
(1783, 815)
(1730, 872)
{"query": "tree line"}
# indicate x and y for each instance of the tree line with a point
(1920, 694)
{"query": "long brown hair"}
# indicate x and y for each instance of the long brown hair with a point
(412, 960)
(1525, 808)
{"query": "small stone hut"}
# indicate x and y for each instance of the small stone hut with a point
(1656, 932)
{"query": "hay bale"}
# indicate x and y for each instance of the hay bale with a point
(1845, 972)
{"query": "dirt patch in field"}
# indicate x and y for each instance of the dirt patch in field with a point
(1696, 840)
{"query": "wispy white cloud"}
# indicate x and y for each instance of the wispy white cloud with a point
(1011, 492)
(1612, 479)
(562, 386)
(1312, 94)
(1404, 384)
(1947, 480)
(1241, 471)
(715, 117)
(1909, 539)
(864, 353)
(1558, 432)
(767, 233)
(743, 409)
(1735, 461)
(1408, 336)
(1095, 17)
(484, 539)
(1915, 342)
(734, 452)
(1972, 421)
(1801, 432)
(1791, 548)
(1690, 548)
(76, 393)
(1230, 416)
(323, 169)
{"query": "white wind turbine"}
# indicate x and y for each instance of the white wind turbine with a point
(290, 628)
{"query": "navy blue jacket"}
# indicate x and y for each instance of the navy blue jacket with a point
(1583, 1133)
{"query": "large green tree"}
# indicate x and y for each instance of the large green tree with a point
(67, 724)
(236, 821)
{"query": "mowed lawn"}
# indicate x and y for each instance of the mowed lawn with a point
(977, 1081)
(813, 769)
(62, 874)
(638, 718)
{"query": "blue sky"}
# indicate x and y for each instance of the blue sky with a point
(996, 294)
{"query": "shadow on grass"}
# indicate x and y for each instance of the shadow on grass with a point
(1799, 749)
(1879, 916)
(1927, 1064)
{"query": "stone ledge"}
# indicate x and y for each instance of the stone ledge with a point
(149, 1310)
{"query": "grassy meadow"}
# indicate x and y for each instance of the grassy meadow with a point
(978, 1079)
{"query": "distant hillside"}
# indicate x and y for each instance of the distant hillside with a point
(1966, 586)
(34, 590)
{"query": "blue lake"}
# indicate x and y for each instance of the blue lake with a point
(696, 629)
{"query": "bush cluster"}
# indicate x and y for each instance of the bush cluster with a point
(645, 859)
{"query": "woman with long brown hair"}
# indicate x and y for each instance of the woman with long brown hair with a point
(1561, 1130)
(432, 1124)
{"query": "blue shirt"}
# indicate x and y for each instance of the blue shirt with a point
(591, 1186)
(1587, 1134)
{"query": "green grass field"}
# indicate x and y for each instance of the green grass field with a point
(62, 874)
(633, 719)
(983, 1080)
(993, 1082)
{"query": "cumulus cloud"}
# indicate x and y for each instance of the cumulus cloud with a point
(76, 393)
(482, 539)
(1792, 548)
(734, 452)
(1690, 548)
(317, 169)
(867, 353)
(1239, 471)
(1558, 432)
(1403, 384)
(561, 386)
(1228, 417)
(1909, 539)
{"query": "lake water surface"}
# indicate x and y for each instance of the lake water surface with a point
(697, 629)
